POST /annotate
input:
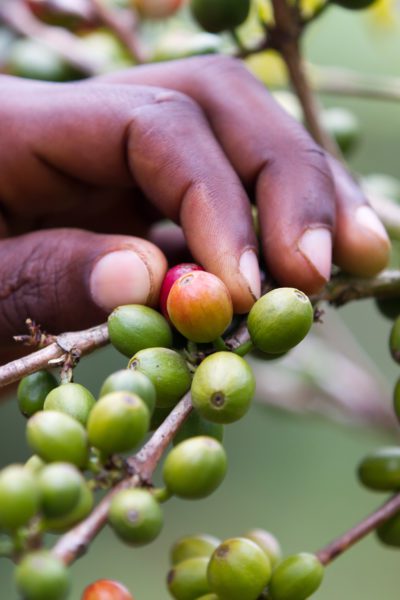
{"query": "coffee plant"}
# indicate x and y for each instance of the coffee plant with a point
(93, 459)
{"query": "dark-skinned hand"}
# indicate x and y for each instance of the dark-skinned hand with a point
(88, 168)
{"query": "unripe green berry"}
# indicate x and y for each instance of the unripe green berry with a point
(195, 467)
(188, 579)
(193, 546)
(388, 307)
(135, 516)
(60, 488)
(134, 327)
(220, 15)
(42, 576)
(238, 570)
(389, 532)
(72, 399)
(223, 387)
(167, 370)
(267, 542)
(57, 437)
(296, 578)
(380, 470)
(127, 380)
(394, 341)
(195, 425)
(32, 391)
(118, 422)
(19, 496)
(209, 597)
(354, 4)
(80, 511)
(279, 320)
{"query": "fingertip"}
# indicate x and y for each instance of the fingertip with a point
(362, 246)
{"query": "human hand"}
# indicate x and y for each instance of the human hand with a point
(189, 140)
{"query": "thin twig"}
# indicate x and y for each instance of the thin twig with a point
(124, 28)
(76, 542)
(344, 542)
(345, 288)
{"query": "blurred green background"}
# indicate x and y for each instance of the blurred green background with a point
(290, 474)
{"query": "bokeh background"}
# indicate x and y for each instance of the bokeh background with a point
(292, 474)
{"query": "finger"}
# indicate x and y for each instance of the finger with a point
(68, 279)
(362, 246)
(272, 155)
(161, 141)
(171, 240)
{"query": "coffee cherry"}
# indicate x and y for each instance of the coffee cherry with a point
(296, 578)
(267, 542)
(219, 15)
(135, 382)
(60, 488)
(223, 387)
(200, 306)
(195, 425)
(193, 546)
(188, 579)
(388, 307)
(19, 496)
(209, 597)
(118, 422)
(135, 516)
(389, 532)
(394, 341)
(167, 370)
(134, 327)
(169, 280)
(81, 510)
(72, 399)
(195, 467)
(238, 570)
(106, 589)
(157, 9)
(34, 464)
(354, 4)
(32, 391)
(381, 470)
(279, 320)
(57, 437)
(42, 576)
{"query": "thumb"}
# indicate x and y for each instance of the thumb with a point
(68, 279)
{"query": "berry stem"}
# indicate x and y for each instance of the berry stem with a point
(245, 348)
(358, 532)
(219, 344)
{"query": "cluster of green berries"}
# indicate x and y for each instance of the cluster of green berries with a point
(77, 439)
(380, 470)
(240, 568)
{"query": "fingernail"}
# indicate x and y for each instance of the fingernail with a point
(316, 247)
(248, 266)
(120, 277)
(366, 217)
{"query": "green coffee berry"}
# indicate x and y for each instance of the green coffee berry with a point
(209, 597)
(394, 341)
(134, 327)
(57, 437)
(238, 570)
(118, 422)
(60, 488)
(32, 391)
(135, 516)
(195, 467)
(188, 579)
(19, 497)
(389, 532)
(136, 382)
(80, 511)
(42, 576)
(193, 546)
(72, 399)
(380, 470)
(354, 4)
(267, 542)
(223, 387)
(296, 578)
(195, 425)
(167, 370)
(279, 320)
(220, 15)
(388, 307)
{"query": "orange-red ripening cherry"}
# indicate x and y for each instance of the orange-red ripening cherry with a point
(106, 589)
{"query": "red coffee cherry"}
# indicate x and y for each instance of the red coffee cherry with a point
(200, 306)
(169, 280)
(106, 589)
